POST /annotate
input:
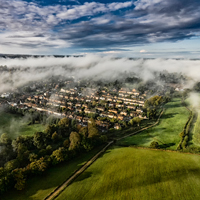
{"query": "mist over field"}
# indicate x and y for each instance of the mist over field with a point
(90, 67)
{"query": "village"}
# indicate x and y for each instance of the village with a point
(111, 108)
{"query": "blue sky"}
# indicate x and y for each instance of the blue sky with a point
(132, 28)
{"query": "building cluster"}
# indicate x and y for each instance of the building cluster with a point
(110, 107)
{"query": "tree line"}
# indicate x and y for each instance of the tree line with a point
(28, 156)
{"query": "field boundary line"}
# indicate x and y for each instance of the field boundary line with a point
(61, 187)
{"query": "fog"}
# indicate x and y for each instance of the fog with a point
(90, 66)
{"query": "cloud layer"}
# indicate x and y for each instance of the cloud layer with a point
(38, 27)
(91, 67)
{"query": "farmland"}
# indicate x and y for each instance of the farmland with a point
(166, 133)
(15, 125)
(130, 173)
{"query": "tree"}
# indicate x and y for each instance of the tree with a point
(92, 129)
(40, 140)
(66, 143)
(19, 177)
(84, 131)
(38, 166)
(137, 120)
(59, 155)
(55, 137)
(64, 125)
(154, 145)
(5, 139)
(152, 104)
(75, 141)
(73, 124)
(12, 164)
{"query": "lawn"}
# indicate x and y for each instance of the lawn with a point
(166, 133)
(130, 173)
(15, 125)
(40, 186)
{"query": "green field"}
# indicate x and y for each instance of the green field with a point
(196, 131)
(166, 133)
(40, 186)
(195, 126)
(138, 174)
(15, 125)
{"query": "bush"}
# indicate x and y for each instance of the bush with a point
(154, 145)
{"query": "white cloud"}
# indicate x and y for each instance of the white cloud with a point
(143, 4)
(143, 51)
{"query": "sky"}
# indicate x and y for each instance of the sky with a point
(137, 28)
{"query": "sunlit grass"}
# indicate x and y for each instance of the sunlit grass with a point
(166, 133)
(129, 173)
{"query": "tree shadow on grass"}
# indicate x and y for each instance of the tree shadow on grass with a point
(148, 179)
(167, 116)
(173, 175)
(164, 146)
(105, 152)
(83, 176)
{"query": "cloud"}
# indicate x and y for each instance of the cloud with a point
(143, 51)
(91, 67)
(96, 25)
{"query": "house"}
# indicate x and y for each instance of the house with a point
(120, 117)
(131, 107)
(109, 98)
(139, 110)
(102, 98)
(136, 93)
(100, 108)
(113, 111)
(79, 118)
(79, 110)
(78, 105)
(85, 119)
(119, 105)
(111, 115)
(62, 90)
(117, 126)
(123, 113)
(133, 114)
(111, 104)
(88, 111)
(102, 124)
(84, 105)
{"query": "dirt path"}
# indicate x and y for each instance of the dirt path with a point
(59, 189)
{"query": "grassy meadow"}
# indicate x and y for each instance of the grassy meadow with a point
(166, 133)
(195, 130)
(15, 125)
(130, 173)
(39, 187)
